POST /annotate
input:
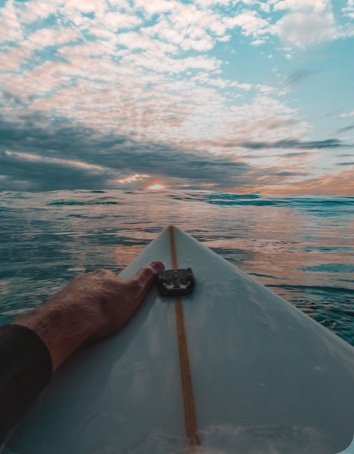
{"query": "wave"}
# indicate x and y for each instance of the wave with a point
(72, 202)
(244, 199)
(317, 204)
(330, 268)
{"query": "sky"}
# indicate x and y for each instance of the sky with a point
(227, 95)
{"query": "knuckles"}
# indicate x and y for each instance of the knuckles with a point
(103, 273)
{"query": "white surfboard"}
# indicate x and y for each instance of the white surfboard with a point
(258, 376)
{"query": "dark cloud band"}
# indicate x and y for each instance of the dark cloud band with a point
(65, 145)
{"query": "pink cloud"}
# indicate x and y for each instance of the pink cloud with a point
(65, 162)
(340, 184)
(52, 37)
(121, 21)
(13, 58)
(10, 29)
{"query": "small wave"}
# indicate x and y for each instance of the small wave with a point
(104, 201)
(330, 268)
(261, 202)
(314, 288)
(231, 195)
(333, 201)
(318, 205)
(187, 196)
(228, 199)
(152, 229)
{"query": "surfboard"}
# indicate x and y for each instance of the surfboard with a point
(230, 368)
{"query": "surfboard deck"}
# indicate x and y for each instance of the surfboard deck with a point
(265, 377)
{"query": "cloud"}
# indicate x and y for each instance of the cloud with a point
(133, 178)
(11, 59)
(304, 29)
(51, 37)
(120, 21)
(303, 5)
(98, 161)
(285, 144)
(250, 23)
(345, 129)
(157, 6)
(81, 79)
(10, 29)
(314, 144)
(341, 183)
(347, 114)
(30, 160)
(167, 100)
(348, 9)
(349, 163)
(306, 22)
(338, 184)
(22, 171)
(30, 157)
(174, 65)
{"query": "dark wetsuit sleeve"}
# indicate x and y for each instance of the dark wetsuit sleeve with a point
(25, 369)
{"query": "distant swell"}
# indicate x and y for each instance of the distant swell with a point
(308, 203)
(83, 202)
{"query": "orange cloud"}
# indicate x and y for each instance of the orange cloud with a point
(341, 183)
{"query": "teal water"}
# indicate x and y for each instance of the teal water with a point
(300, 247)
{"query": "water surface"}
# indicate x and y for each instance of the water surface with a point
(300, 247)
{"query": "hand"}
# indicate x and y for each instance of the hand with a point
(90, 307)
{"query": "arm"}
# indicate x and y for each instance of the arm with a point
(36, 344)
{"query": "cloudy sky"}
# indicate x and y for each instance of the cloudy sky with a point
(237, 95)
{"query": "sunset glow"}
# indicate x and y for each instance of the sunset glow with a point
(156, 187)
(235, 94)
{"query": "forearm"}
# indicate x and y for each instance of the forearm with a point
(90, 307)
(62, 328)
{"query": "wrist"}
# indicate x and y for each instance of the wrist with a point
(59, 328)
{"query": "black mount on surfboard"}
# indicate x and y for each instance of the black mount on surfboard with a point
(176, 282)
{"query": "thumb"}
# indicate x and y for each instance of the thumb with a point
(146, 276)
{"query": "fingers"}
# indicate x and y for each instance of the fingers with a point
(146, 276)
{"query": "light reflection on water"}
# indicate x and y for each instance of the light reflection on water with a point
(302, 248)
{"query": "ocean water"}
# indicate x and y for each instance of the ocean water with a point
(300, 247)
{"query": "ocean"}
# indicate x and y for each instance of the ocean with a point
(302, 248)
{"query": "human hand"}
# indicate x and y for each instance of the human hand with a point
(91, 306)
